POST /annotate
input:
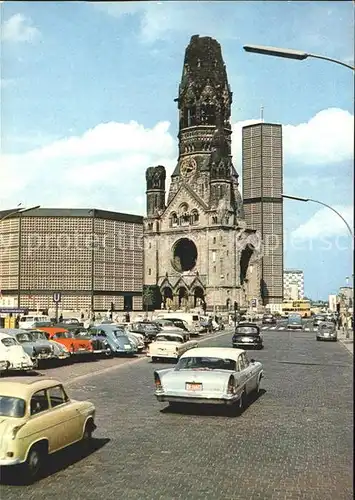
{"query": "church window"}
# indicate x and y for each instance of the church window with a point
(227, 220)
(208, 114)
(149, 271)
(214, 269)
(191, 116)
(213, 255)
(194, 217)
(227, 253)
(156, 200)
(227, 276)
(173, 220)
(150, 226)
(214, 219)
(214, 240)
(150, 245)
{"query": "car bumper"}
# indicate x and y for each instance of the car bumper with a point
(82, 351)
(163, 356)
(333, 338)
(295, 327)
(22, 366)
(224, 400)
(247, 344)
(4, 462)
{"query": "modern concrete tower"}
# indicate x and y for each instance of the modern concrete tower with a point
(197, 246)
(263, 204)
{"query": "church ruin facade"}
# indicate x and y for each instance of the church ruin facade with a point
(197, 248)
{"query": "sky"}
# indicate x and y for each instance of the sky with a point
(87, 104)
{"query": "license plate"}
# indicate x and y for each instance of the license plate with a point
(193, 387)
(248, 340)
(326, 334)
(127, 346)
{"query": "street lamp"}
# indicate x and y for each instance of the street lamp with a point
(290, 54)
(298, 198)
(19, 211)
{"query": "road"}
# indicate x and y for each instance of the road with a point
(293, 442)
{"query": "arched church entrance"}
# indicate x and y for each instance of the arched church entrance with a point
(183, 297)
(199, 297)
(167, 297)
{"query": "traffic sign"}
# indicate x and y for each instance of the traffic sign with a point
(57, 297)
(253, 303)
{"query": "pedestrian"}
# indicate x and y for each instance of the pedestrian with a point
(60, 318)
(209, 324)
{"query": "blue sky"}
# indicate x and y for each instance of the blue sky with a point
(87, 95)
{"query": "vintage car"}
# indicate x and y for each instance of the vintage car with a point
(318, 319)
(28, 322)
(268, 319)
(76, 346)
(327, 331)
(99, 345)
(247, 335)
(294, 322)
(12, 355)
(148, 329)
(37, 349)
(170, 345)
(61, 353)
(209, 375)
(117, 340)
(37, 419)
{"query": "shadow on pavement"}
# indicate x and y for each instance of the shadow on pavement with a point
(56, 462)
(212, 410)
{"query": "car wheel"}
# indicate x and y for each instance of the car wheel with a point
(87, 434)
(242, 401)
(36, 459)
(257, 388)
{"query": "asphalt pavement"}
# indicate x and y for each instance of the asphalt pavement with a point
(293, 442)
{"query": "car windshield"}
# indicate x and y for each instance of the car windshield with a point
(23, 337)
(8, 342)
(206, 364)
(246, 329)
(38, 336)
(119, 333)
(12, 407)
(169, 338)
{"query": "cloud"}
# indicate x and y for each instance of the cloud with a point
(18, 28)
(105, 166)
(325, 223)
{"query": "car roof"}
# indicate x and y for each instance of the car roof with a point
(247, 323)
(22, 387)
(167, 333)
(10, 331)
(214, 352)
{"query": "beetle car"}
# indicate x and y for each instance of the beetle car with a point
(268, 319)
(294, 322)
(170, 345)
(12, 355)
(247, 335)
(117, 340)
(209, 375)
(37, 418)
(327, 331)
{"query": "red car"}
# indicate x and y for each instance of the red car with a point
(74, 344)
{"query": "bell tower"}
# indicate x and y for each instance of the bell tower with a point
(155, 179)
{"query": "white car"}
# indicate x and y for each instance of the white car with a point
(60, 351)
(170, 345)
(209, 375)
(29, 322)
(12, 355)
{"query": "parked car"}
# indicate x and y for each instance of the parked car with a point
(60, 351)
(174, 322)
(99, 345)
(69, 322)
(76, 346)
(170, 345)
(38, 350)
(38, 418)
(247, 335)
(327, 331)
(294, 322)
(268, 319)
(13, 355)
(117, 340)
(148, 329)
(28, 322)
(205, 375)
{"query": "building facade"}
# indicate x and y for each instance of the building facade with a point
(93, 257)
(293, 284)
(263, 203)
(198, 248)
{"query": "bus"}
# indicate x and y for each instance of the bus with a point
(301, 307)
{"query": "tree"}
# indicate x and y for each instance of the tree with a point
(148, 297)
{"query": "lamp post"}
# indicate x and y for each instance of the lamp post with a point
(291, 54)
(214, 296)
(299, 198)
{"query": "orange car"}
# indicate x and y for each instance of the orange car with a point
(73, 344)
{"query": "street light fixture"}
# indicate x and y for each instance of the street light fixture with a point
(290, 54)
(19, 211)
(298, 198)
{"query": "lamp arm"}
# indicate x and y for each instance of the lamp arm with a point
(336, 61)
(336, 212)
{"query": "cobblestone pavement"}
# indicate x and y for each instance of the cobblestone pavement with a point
(293, 442)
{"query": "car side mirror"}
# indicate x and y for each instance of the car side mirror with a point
(252, 361)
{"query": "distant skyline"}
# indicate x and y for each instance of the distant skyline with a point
(87, 97)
